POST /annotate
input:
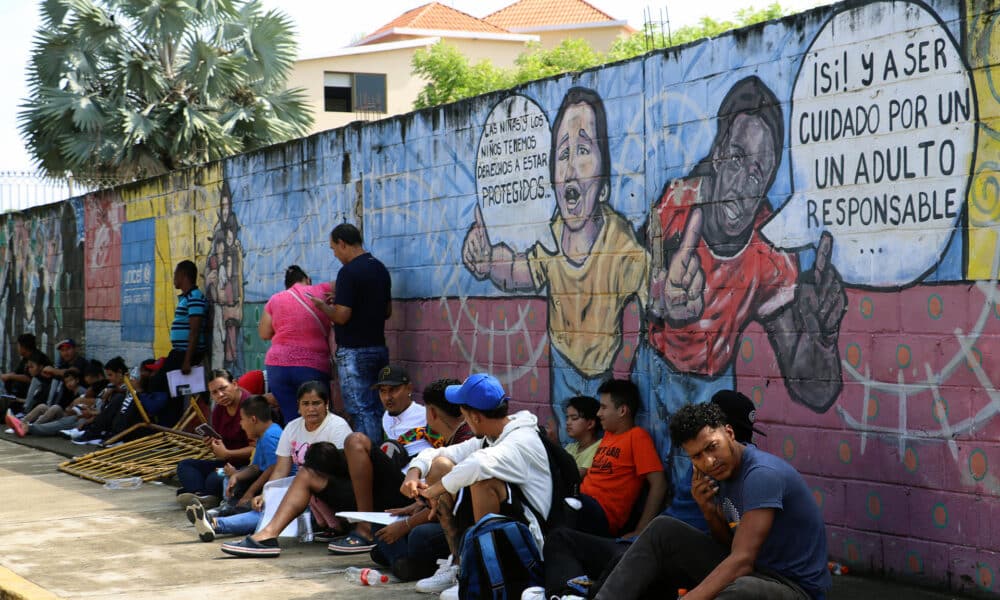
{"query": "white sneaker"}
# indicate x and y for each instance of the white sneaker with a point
(450, 593)
(8, 430)
(445, 577)
(533, 593)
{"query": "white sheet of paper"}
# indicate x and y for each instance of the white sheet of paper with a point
(273, 492)
(379, 518)
(195, 380)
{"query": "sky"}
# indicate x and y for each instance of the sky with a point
(321, 27)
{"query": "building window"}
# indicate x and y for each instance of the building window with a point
(354, 92)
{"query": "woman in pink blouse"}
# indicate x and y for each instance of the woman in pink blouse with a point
(299, 334)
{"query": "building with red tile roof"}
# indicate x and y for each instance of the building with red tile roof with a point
(373, 78)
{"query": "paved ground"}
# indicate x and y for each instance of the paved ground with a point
(64, 537)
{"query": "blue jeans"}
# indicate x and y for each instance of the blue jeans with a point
(421, 548)
(358, 370)
(664, 391)
(568, 381)
(284, 383)
(199, 476)
(243, 523)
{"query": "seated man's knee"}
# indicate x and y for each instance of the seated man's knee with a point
(357, 441)
(491, 488)
(440, 467)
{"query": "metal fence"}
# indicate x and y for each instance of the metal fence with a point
(20, 190)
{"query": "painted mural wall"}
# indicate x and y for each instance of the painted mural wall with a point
(806, 211)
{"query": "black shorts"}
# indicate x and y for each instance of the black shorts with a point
(386, 481)
(465, 517)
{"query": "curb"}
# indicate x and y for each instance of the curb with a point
(15, 587)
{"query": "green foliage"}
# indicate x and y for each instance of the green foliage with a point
(654, 37)
(135, 88)
(450, 77)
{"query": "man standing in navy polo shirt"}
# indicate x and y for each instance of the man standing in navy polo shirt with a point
(362, 303)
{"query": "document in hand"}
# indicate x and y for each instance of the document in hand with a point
(183, 385)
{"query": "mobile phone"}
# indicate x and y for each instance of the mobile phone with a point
(205, 430)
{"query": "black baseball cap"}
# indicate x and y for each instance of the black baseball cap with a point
(392, 375)
(740, 413)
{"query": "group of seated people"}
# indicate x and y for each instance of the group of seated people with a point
(444, 465)
(42, 398)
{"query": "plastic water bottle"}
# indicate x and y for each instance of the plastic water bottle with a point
(365, 576)
(306, 527)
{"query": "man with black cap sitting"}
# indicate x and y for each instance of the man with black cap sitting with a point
(377, 466)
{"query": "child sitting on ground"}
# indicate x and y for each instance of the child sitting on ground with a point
(585, 428)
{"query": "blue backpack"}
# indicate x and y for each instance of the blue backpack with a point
(499, 560)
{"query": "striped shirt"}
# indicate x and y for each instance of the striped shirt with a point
(191, 304)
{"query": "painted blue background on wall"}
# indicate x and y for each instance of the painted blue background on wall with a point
(138, 254)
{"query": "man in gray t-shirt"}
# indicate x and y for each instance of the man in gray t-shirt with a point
(767, 535)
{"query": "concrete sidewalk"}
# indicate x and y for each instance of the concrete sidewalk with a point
(66, 537)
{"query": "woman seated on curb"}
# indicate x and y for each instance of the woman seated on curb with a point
(316, 425)
(114, 406)
(199, 479)
(255, 419)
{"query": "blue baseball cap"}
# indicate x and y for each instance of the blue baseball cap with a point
(479, 391)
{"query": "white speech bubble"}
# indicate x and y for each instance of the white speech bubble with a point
(512, 174)
(882, 136)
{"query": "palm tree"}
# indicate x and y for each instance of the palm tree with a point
(136, 88)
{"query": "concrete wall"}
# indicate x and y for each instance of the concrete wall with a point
(806, 210)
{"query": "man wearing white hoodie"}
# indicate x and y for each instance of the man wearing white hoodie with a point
(467, 481)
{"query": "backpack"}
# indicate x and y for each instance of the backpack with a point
(499, 560)
(565, 476)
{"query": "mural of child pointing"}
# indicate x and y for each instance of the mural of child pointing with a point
(712, 273)
(597, 267)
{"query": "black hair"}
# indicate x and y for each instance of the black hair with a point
(622, 391)
(28, 341)
(347, 233)
(582, 95)
(320, 389)
(257, 406)
(189, 269)
(116, 364)
(749, 96)
(94, 368)
(434, 396)
(688, 422)
(39, 358)
(294, 274)
(73, 372)
(495, 413)
(223, 373)
(325, 458)
(587, 407)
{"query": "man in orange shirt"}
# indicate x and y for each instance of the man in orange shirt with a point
(625, 458)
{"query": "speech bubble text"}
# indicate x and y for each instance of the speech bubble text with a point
(512, 174)
(882, 136)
